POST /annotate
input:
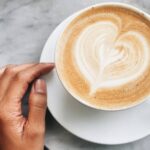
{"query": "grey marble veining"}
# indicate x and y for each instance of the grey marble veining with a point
(24, 28)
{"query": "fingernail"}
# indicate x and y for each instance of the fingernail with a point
(50, 64)
(40, 86)
(53, 64)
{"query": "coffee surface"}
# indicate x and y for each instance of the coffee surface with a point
(103, 57)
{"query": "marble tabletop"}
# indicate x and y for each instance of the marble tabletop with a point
(24, 28)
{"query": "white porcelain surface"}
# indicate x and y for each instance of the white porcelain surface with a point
(97, 126)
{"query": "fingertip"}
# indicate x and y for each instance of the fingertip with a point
(52, 66)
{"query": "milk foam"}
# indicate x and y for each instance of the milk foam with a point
(107, 57)
(103, 57)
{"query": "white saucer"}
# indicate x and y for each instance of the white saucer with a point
(92, 125)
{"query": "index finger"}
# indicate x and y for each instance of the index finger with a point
(22, 80)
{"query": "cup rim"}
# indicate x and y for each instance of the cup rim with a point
(73, 16)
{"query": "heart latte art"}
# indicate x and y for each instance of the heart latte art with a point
(103, 57)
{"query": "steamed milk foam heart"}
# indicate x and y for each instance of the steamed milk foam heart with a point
(103, 57)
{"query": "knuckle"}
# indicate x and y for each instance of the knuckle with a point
(37, 132)
(23, 76)
(20, 76)
(9, 70)
(38, 101)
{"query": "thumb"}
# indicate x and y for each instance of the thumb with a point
(37, 105)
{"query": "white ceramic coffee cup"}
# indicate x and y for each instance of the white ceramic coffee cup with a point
(122, 5)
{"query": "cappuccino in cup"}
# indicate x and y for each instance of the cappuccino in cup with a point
(103, 57)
